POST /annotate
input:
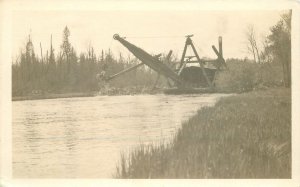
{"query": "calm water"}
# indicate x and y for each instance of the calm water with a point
(83, 137)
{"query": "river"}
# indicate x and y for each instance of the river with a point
(83, 137)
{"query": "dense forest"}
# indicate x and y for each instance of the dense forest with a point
(69, 72)
(66, 71)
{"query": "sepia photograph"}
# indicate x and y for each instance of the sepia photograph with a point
(136, 92)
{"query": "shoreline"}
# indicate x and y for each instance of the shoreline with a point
(120, 91)
(76, 94)
(242, 136)
(109, 92)
(53, 96)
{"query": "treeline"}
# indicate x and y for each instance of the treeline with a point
(276, 48)
(270, 66)
(66, 71)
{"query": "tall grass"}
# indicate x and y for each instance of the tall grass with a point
(242, 136)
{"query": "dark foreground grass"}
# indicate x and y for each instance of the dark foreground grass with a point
(242, 136)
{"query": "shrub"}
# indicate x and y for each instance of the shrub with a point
(243, 76)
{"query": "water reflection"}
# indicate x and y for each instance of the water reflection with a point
(83, 137)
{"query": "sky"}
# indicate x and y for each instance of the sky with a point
(156, 31)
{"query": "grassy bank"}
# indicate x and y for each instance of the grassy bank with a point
(242, 136)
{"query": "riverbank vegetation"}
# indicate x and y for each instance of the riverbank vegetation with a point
(244, 76)
(242, 136)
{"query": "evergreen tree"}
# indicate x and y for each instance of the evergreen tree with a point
(66, 45)
(280, 45)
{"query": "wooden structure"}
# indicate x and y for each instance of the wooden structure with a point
(184, 77)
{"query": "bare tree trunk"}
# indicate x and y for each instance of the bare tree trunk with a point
(257, 53)
(252, 44)
(253, 52)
